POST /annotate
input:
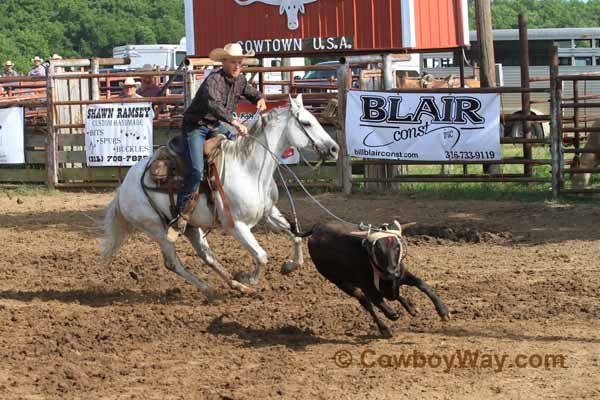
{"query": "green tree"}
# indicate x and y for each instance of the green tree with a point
(83, 28)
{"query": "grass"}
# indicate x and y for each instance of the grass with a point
(27, 190)
(509, 191)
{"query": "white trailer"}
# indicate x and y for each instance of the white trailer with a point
(164, 56)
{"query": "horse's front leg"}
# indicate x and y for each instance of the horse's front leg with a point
(279, 223)
(244, 235)
(204, 251)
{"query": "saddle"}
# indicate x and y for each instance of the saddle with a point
(170, 165)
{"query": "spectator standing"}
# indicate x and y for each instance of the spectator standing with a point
(129, 88)
(148, 88)
(38, 69)
(8, 72)
(9, 69)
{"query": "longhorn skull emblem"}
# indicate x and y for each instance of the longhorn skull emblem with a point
(290, 7)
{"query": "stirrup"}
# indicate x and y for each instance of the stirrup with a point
(176, 228)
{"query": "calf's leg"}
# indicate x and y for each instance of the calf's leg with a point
(408, 306)
(440, 307)
(366, 303)
(380, 303)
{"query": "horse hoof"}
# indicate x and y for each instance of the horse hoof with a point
(240, 287)
(211, 294)
(288, 267)
(246, 278)
(445, 317)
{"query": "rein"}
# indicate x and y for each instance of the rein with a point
(279, 163)
(316, 166)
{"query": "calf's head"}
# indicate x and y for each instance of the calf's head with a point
(386, 251)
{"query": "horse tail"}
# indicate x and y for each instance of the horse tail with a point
(116, 230)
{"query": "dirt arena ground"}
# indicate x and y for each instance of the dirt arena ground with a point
(522, 282)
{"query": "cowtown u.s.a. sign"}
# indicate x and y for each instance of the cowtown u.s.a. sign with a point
(299, 27)
(423, 126)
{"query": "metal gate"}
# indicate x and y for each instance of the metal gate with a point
(576, 132)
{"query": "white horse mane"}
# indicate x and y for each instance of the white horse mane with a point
(244, 145)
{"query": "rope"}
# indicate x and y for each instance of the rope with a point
(317, 202)
(280, 163)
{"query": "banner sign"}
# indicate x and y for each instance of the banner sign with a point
(423, 126)
(118, 134)
(298, 45)
(12, 143)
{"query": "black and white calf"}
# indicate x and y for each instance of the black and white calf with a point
(368, 266)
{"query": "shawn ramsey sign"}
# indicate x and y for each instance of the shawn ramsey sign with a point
(425, 127)
(118, 134)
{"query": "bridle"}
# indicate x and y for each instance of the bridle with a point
(296, 116)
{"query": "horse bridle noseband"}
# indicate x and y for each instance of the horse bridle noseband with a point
(297, 118)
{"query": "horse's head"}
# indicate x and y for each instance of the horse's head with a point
(304, 131)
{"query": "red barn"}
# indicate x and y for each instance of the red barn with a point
(300, 27)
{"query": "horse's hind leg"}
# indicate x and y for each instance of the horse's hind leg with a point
(279, 223)
(204, 251)
(244, 235)
(173, 263)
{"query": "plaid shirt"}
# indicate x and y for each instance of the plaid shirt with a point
(217, 98)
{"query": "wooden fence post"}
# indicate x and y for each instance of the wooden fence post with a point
(51, 140)
(189, 86)
(554, 120)
(525, 96)
(344, 162)
(94, 69)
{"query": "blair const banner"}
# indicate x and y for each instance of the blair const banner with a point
(423, 126)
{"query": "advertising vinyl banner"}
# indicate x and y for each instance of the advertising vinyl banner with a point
(423, 126)
(118, 134)
(12, 143)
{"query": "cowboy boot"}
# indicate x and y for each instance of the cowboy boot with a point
(178, 225)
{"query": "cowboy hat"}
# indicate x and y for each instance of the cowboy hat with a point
(129, 81)
(147, 67)
(36, 58)
(55, 57)
(8, 63)
(231, 51)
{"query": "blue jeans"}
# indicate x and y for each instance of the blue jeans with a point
(195, 139)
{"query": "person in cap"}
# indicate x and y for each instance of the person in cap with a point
(129, 88)
(38, 69)
(148, 88)
(213, 105)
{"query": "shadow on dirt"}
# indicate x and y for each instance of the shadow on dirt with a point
(289, 336)
(91, 298)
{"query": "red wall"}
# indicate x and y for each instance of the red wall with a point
(438, 23)
(374, 24)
